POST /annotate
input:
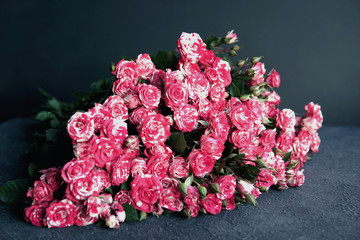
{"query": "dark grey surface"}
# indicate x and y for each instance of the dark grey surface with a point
(63, 46)
(325, 207)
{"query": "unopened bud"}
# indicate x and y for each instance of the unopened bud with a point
(232, 53)
(143, 215)
(235, 48)
(183, 188)
(112, 222)
(263, 189)
(215, 187)
(202, 190)
(256, 59)
(241, 63)
(112, 67)
(170, 119)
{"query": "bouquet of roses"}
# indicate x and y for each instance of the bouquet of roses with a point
(177, 133)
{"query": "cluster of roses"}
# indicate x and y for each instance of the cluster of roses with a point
(195, 98)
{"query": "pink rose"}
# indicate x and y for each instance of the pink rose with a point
(138, 167)
(169, 182)
(231, 37)
(52, 177)
(186, 118)
(138, 115)
(83, 150)
(120, 171)
(273, 79)
(132, 142)
(268, 138)
(310, 124)
(227, 185)
(145, 191)
(170, 199)
(99, 114)
(35, 214)
(207, 58)
(211, 203)
(119, 211)
(241, 138)
(192, 209)
(192, 196)
(126, 69)
(246, 187)
(81, 127)
(219, 125)
(259, 69)
(232, 103)
(145, 67)
(123, 197)
(314, 110)
(75, 169)
(157, 78)
(40, 192)
(295, 177)
(219, 72)
(158, 166)
(197, 85)
(201, 163)
(149, 95)
(191, 47)
(102, 177)
(212, 145)
(60, 214)
(203, 107)
(173, 77)
(176, 95)
(115, 128)
(230, 203)
(94, 206)
(284, 141)
(83, 188)
(123, 86)
(159, 150)
(131, 100)
(315, 142)
(241, 118)
(188, 68)
(179, 167)
(286, 120)
(105, 150)
(272, 97)
(302, 144)
(280, 169)
(117, 108)
(217, 91)
(264, 179)
(82, 218)
(155, 130)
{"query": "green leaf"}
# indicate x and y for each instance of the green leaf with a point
(125, 186)
(34, 169)
(110, 190)
(212, 41)
(287, 156)
(13, 191)
(44, 115)
(131, 213)
(52, 135)
(177, 142)
(55, 104)
(233, 90)
(165, 59)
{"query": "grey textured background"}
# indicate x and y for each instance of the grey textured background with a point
(63, 46)
(325, 207)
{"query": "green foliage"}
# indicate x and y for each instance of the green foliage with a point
(13, 191)
(212, 42)
(164, 59)
(177, 142)
(287, 156)
(131, 213)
